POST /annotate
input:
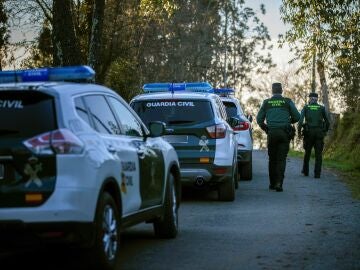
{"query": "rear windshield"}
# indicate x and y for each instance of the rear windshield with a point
(174, 112)
(25, 114)
(231, 109)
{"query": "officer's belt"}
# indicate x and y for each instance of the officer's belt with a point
(314, 126)
(282, 127)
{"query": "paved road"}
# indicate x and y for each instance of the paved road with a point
(313, 224)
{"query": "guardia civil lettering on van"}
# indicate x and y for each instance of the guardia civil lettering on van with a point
(11, 104)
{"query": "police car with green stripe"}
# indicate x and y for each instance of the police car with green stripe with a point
(77, 164)
(198, 127)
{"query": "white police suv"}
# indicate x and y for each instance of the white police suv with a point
(199, 129)
(77, 164)
(243, 131)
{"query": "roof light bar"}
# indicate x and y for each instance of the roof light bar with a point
(224, 91)
(173, 87)
(71, 73)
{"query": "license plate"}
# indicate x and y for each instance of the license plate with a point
(2, 171)
(176, 138)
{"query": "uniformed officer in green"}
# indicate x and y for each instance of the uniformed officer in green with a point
(314, 130)
(279, 113)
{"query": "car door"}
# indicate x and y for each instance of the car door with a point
(122, 157)
(150, 157)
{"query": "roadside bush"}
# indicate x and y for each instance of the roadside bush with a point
(123, 78)
(344, 145)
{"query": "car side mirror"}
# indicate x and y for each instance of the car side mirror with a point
(157, 128)
(233, 121)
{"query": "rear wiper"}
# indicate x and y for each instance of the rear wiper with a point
(8, 131)
(180, 122)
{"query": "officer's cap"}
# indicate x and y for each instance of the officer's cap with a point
(312, 94)
(276, 88)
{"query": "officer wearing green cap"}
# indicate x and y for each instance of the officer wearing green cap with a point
(279, 113)
(314, 130)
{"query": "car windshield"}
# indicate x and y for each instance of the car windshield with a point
(174, 112)
(25, 113)
(231, 109)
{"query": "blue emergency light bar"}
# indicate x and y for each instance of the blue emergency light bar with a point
(224, 91)
(173, 87)
(71, 73)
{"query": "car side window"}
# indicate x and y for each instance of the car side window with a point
(102, 115)
(217, 108)
(223, 111)
(130, 125)
(81, 110)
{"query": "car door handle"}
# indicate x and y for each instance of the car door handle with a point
(111, 149)
(141, 153)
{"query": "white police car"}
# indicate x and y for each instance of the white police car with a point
(199, 129)
(77, 164)
(243, 132)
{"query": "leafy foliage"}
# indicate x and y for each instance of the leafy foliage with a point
(122, 75)
(237, 55)
(329, 28)
(163, 40)
(4, 34)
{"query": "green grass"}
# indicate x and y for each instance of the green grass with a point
(346, 170)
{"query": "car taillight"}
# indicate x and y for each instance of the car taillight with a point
(217, 131)
(61, 141)
(242, 126)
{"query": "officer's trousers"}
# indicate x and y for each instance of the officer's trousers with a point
(278, 148)
(313, 139)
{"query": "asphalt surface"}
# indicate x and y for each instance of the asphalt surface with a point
(313, 224)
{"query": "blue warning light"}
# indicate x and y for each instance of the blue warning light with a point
(55, 74)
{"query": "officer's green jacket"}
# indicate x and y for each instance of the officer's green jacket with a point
(315, 116)
(278, 111)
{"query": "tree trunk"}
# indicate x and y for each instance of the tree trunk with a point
(96, 34)
(108, 55)
(226, 44)
(313, 77)
(323, 83)
(66, 46)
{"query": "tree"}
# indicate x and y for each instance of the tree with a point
(41, 51)
(66, 46)
(343, 18)
(308, 28)
(96, 34)
(329, 29)
(236, 55)
(4, 34)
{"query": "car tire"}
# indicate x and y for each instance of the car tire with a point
(227, 189)
(167, 226)
(245, 170)
(236, 175)
(105, 252)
